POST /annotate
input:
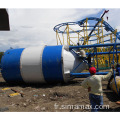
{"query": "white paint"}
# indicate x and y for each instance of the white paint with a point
(70, 61)
(31, 65)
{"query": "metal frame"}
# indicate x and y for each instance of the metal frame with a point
(82, 75)
(86, 37)
(83, 23)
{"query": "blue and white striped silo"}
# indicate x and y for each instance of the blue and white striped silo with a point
(46, 64)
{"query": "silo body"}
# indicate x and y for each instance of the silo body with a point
(46, 64)
(113, 86)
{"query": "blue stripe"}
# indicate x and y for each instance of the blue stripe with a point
(52, 64)
(11, 65)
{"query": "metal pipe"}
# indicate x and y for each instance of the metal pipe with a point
(89, 46)
(97, 60)
(85, 74)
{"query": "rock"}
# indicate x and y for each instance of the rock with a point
(13, 104)
(28, 101)
(53, 98)
(43, 108)
(51, 91)
(37, 108)
(24, 104)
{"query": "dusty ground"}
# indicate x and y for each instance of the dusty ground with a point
(45, 97)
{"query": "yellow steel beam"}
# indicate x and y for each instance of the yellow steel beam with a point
(59, 39)
(96, 34)
(102, 31)
(86, 30)
(99, 34)
(63, 38)
(65, 29)
(84, 35)
(56, 37)
(72, 42)
(73, 37)
(115, 34)
(68, 40)
(111, 39)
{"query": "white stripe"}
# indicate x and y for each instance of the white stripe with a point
(31, 65)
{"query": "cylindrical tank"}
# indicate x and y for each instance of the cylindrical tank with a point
(113, 86)
(46, 64)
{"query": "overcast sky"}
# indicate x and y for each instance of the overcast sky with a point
(34, 27)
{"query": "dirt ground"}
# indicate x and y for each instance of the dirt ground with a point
(51, 98)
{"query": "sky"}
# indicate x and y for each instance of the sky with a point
(34, 26)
